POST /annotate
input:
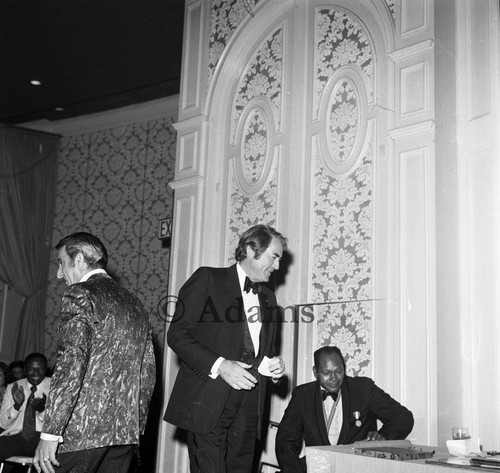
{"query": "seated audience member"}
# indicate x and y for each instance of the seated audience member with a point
(16, 371)
(336, 409)
(23, 408)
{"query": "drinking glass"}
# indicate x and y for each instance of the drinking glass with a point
(460, 433)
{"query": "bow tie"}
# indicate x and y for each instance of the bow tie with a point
(325, 394)
(254, 286)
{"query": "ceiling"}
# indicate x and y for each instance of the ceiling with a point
(90, 55)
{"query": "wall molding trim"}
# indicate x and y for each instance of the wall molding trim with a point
(411, 130)
(137, 113)
(412, 50)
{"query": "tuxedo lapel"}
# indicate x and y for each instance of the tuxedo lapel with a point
(346, 409)
(234, 298)
(232, 284)
(264, 318)
(320, 415)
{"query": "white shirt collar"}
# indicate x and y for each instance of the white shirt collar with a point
(91, 273)
(241, 276)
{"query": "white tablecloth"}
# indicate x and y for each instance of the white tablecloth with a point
(341, 459)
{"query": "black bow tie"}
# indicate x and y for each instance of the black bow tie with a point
(325, 394)
(254, 286)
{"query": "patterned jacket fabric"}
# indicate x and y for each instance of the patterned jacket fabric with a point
(105, 369)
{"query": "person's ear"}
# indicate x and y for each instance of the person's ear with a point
(250, 252)
(315, 372)
(79, 260)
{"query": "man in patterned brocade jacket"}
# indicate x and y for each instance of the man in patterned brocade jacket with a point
(105, 370)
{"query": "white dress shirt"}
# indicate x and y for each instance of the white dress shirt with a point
(12, 420)
(251, 306)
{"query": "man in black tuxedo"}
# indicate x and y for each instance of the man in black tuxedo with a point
(336, 409)
(224, 333)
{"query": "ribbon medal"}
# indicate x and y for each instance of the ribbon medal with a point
(357, 415)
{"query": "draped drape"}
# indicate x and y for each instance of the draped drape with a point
(28, 178)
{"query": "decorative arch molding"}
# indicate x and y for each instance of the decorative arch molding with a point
(254, 144)
(262, 77)
(343, 118)
(268, 17)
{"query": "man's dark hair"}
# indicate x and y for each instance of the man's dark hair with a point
(327, 351)
(258, 237)
(92, 249)
(35, 356)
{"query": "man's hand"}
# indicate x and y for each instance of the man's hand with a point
(374, 436)
(38, 403)
(236, 375)
(45, 456)
(17, 395)
(277, 368)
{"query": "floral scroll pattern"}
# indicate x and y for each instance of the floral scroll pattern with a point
(249, 210)
(343, 121)
(226, 16)
(263, 77)
(341, 41)
(262, 80)
(254, 147)
(342, 259)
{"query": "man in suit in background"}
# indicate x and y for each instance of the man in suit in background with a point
(336, 409)
(23, 406)
(223, 328)
(105, 370)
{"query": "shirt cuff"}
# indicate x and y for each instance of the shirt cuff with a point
(215, 367)
(50, 437)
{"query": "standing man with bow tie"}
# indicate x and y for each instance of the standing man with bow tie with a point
(224, 331)
(334, 410)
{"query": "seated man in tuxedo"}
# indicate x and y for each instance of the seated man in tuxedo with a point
(23, 409)
(336, 409)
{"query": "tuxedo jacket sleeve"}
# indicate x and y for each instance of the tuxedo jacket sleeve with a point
(304, 419)
(209, 323)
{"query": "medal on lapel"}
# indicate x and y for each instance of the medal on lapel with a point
(357, 415)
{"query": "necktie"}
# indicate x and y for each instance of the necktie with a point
(250, 285)
(29, 422)
(325, 394)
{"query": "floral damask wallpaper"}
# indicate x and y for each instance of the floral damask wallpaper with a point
(343, 84)
(342, 261)
(114, 183)
(226, 16)
(342, 208)
(340, 41)
(253, 197)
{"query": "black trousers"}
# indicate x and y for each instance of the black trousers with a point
(114, 459)
(230, 447)
(13, 445)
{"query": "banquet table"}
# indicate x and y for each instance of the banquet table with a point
(341, 459)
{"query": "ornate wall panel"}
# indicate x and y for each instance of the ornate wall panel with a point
(343, 156)
(254, 150)
(341, 270)
(113, 183)
(226, 16)
(340, 41)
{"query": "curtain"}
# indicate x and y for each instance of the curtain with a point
(28, 179)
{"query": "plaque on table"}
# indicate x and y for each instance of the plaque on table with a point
(399, 450)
